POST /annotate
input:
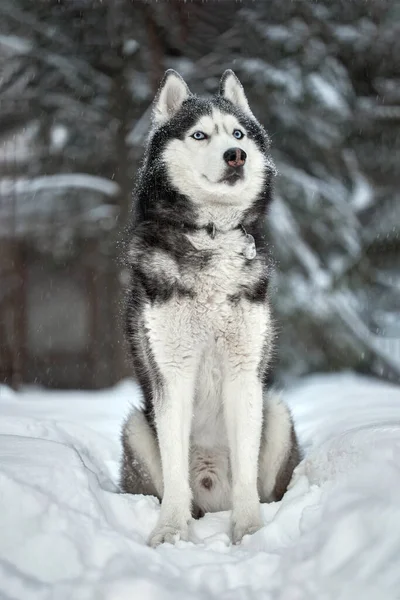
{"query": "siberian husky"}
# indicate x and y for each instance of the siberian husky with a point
(209, 436)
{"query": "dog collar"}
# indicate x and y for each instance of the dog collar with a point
(249, 251)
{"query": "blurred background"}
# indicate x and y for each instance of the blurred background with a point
(77, 78)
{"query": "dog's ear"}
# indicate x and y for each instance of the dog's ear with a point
(170, 96)
(231, 89)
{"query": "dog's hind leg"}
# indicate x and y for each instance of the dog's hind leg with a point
(279, 450)
(141, 471)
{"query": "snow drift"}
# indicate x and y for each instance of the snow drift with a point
(67, 533)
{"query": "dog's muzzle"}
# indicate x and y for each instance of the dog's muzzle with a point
(235, 159)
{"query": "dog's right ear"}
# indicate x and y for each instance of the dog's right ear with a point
(170, 96)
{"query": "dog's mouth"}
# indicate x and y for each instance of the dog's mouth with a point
(232, 176)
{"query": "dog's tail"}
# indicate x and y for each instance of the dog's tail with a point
(280, 452)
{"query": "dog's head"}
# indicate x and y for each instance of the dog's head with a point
(213, 150)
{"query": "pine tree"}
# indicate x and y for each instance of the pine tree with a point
(322, 77)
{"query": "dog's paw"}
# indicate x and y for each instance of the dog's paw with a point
(242, 526)
(168, 533)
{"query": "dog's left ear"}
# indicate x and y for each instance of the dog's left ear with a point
(231, 89)
(170, 96)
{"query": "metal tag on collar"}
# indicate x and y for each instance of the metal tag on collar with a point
(250, 250)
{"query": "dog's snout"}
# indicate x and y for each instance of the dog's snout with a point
(235, 157)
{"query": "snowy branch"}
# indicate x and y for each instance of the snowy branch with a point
(104, 186)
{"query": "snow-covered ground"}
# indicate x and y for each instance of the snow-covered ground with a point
(65, 532)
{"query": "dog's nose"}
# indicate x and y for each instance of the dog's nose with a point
(235, 157)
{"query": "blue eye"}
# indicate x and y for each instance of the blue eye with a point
(238, 134)
(199, 135)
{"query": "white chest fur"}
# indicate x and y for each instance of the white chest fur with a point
(225, 272)
(199, 330)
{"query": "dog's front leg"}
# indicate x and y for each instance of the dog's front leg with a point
(173, 413)
(243, 414)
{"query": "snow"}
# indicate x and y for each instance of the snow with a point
(283, 225)
(288, 80)
(66, 532)
(15, 44)
(9, 186)
(327, 94)
(130, 47)
(58, 137)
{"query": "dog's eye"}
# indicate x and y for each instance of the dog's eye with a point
(199, 135)
(238, 134)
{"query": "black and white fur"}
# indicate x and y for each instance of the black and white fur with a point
(209, 437)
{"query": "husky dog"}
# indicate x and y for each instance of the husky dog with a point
(209, 437)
